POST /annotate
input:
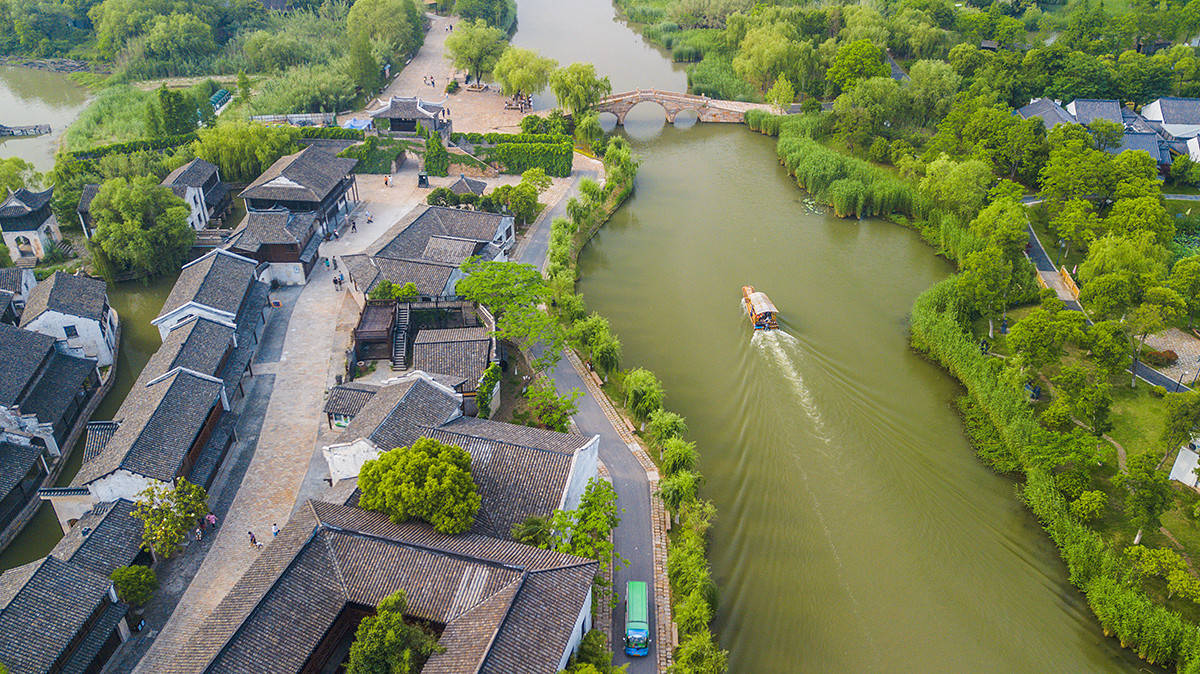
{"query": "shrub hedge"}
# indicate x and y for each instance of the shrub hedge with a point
(131, 146)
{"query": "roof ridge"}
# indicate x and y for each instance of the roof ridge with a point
(504, 442)
(487, 651)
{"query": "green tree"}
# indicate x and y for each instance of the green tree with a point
(1108, 345)
(428, 480)
(1118, 270)
(475, 47)
(1106, 134)
(1089, 506)
(178, 114)
(1182, 415)
(664, 425)
(536, 178)
(437, 160)
(1160, 307)
(168, 514)
(494, 12)
(386, 290)
(141, 225)
(1076, 223)
(1147, 493)
(243, 150)
(984, 283)
(395, 25)
(363, 69)
(767, 55)
(180, 37)
(932, 87)
(1185, 280)
(487, 383)
(856, 61)
(781, 94)
(577, 87)
(551, 410)
(522, 71)
(681, 487)
(1129, 217)
(533, 530)
(606, 354)
(243, 86)
(679, 455)
(385, 643)
(643, 394)
(958, 187)
(16, 173)
(586, 531)
(502, 286)
(700, 654)
(135, 584)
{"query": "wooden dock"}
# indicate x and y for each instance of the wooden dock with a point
(32, 130)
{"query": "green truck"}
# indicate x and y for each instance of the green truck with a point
(637, 619)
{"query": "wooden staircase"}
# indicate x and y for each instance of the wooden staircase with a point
(400, 338)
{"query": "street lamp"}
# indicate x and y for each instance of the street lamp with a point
(1179, 384)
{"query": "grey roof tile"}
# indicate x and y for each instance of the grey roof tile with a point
(198, 344)
(400, 107)
(1088, 110)
(349, 399)
(1177, 110)
(89, 193)
(113, 538)
(397, 414)
(192, 174)
(156, 429)
(16, 460)
(308, 175)
(71, 294)
(22, 356)
(219, 280)
(54, 391)
(43, 605)
(274, 227)
(465, 185)
(24, 202)
(462, 352)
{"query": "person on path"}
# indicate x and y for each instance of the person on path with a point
(212, 520)
(274, 529)
(354, 226)
(199, 534)
(326, 261)
(253, 540)
(335, 284)
(335, 263)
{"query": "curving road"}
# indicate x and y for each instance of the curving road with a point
(634, 537)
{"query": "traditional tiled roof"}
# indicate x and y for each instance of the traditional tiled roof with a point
(55, 390)
(16, 460)
(104, 539)
(465, 185)
(519, 474)
(22, 354)
(219, 280)
(308, 175)
(157, 428)
(409, 237)
(23, 202)
(273, 227)
(11, 279)
(1150, 143)
(89, 193)
(348, 399)
(506, 607)
(463, 352)
(96, 437)
(1176, 110)
(1052, 114)
(430, 277)
(192, 174)
(399, 414)
(71, 294)
(399, 107)
(43, 605)
(1087, 110)
(198, 344)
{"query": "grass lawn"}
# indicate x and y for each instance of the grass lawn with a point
(1136, 418)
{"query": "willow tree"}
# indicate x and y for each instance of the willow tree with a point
(522, 71)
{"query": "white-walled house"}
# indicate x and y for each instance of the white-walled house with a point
(19, 282)
(521, 471)
(287, 243)
(214, 285)
(74, 310)
(1179, 117)
(199, 184)
(28, 225)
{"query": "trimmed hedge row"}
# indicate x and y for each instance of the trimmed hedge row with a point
(132, 146)
(333, 132)
(1155, 633)
(503, 138)
(553, 158)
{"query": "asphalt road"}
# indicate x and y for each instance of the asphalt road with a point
(634, 537)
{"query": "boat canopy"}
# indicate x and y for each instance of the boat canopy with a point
(761, 304)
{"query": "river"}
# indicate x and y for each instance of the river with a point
(856, 529)
(30, 96)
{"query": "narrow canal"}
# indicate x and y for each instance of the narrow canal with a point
(856, 529)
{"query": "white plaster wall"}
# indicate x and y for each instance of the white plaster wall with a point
(583, 623)
(584, 467)
(346, 460)
(120, 484)
(28, 424)
(198, 218)
(90, 342)
(286, 273)
(1182, 130)
(70, 508)
(167, 322)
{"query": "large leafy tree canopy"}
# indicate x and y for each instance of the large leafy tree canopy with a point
(386, 643)
(428, 480)
(578, 88)
(142, 225)
(169, 514)
(522, 71)
(476, 47)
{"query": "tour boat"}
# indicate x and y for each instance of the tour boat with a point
(760, 309)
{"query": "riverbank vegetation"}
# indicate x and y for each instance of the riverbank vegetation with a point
(943, 153)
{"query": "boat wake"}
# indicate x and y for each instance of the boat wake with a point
(780, 347)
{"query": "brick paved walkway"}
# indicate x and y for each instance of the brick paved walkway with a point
(281, 457)
(1185, 345)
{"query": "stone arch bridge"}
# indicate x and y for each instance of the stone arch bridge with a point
(706, 109)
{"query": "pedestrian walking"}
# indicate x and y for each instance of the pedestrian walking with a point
(335, 284)
(253, 540)
(354, 226)
(326, 261)
(199, 534)
(341, 279)
(335, 263)
(212, 520)
(274, 529)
